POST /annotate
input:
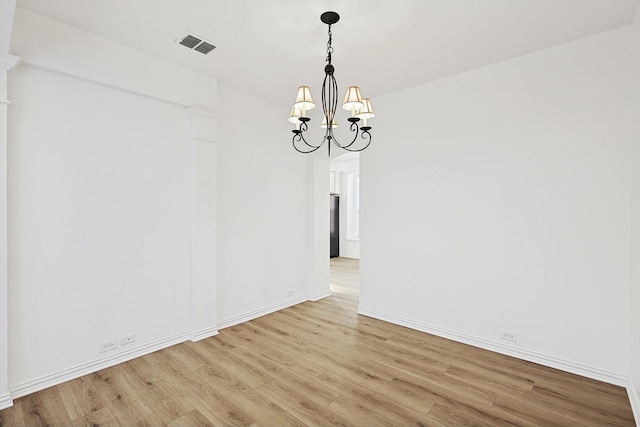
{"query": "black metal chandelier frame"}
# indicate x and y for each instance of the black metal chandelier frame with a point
(329, 107)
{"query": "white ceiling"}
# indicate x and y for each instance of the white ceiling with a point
(269, 47)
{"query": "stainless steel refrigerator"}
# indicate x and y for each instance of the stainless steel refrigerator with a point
(334, 228)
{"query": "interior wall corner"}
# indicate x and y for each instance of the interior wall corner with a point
(7, 62)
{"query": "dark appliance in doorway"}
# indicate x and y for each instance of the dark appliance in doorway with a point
(334, 227)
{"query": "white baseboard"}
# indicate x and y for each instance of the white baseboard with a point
(261, 312)
(204, 333)
(319, 295)
(634, 399)
(6, 401)
(531, 356)
(56, 378)
(94, 366)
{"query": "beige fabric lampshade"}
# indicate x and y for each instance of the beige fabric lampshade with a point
(304, 102)
(295, 115)
(366, 112)
(352, 99)
(334, 124)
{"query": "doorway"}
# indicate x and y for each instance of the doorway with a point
(344, 188)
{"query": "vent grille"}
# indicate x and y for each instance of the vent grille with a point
(190, 41)
(195, 42)
(205, 47)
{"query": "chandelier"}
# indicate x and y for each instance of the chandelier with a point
(359, 107)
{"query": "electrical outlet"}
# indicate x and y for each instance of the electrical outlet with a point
(128, 339)
(108, 346)
(509, 336)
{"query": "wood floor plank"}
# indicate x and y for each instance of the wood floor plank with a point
(576, 410)
(255, 405)
(130, 409)
(192, 419)
(13, 416)
(357, 414)
(100, 417)
(301, 406)
(80, 398)
(167, 403)
(392, 409)
(110, 384)
(455, 413)
(209, 400)
(321, 364)
(45, 408)
(245, 372)
(490, 381)
(409, 362)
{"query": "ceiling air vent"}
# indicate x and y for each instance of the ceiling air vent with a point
(205, 47)
(195, 42)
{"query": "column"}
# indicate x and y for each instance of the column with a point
(7, 62)
(319, 278)
(203, 219)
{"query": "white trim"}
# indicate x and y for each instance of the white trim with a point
(94, 366)
(634, 399)
(204, 333)
(102, 84)
(8, 61)
(531, 356)
(192, 234)
(5, 401)
(261, 312)
(203, 123)
(319, 295)
(200, 111)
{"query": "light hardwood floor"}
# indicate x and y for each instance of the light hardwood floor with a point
(319, 363)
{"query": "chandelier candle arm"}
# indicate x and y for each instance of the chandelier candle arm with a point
(359, 107)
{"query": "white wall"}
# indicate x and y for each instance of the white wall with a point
(97, 219)
(634, 305)
(99, 202)
(263, 243)
(349, 244)
(7, 62)
(499, 199)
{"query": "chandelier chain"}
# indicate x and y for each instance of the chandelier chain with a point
(329, 47)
